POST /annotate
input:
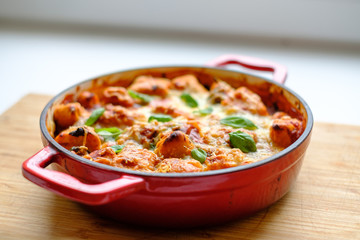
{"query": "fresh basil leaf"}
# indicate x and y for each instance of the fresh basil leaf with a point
(142, 97)
(238, 122)
(117, 148)
(110, 129)
(204, 112)
(243, 141)
(94, 116)
(199, 154)
(189, 100)
(160, 118)
(109, 133)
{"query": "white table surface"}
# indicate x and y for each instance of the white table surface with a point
(46, 61)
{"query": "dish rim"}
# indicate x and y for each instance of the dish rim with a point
(61, 150)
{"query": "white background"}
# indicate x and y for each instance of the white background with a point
(46, 46)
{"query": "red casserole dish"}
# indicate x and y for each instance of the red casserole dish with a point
(177, 199)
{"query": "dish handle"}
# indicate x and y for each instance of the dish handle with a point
(34, 169)
(279, 71)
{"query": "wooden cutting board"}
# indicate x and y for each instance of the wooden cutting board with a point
(324, 203)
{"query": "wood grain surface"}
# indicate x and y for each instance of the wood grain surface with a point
(324, 203)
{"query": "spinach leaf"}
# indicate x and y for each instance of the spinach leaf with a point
(243, 141)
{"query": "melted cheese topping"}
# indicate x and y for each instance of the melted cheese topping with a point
(211, 126)
(156, 146)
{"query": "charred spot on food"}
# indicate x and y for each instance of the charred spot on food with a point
(89, 96)
(175, 128)
(80, 150)
(153, 135)
(154, 87)
(276, 127)
(276, 107)
(78, 132)
(175, 136)
(149, 133)
(207, 86)
(216, 98)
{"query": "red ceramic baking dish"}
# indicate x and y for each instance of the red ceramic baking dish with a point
(177, 199)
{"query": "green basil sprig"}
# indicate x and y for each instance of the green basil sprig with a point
(243, 141)
(109, 134)
(94, 116)
(238, 122)
(199, 154)
(141, 96)
(189, 100)
(204, 111)
(117, 148)
(160, 118)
